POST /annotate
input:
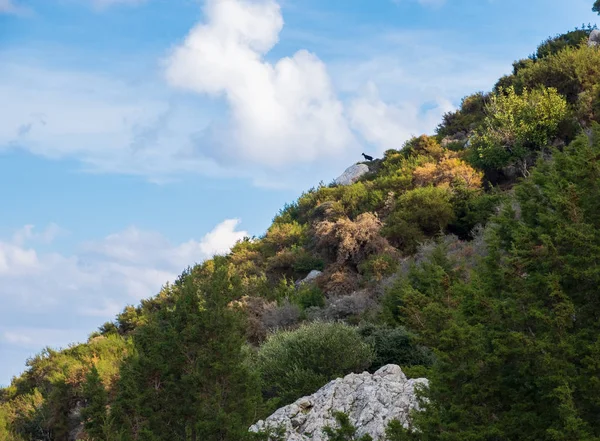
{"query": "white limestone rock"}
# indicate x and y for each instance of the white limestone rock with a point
(594, 40)
(371, 402)
(352, 174)
(311, 276)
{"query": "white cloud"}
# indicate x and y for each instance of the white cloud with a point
(386, 125)
(281, 113)
(103, 276)
(292, 122)
(219, 240)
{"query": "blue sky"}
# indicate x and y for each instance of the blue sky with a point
(140, 136)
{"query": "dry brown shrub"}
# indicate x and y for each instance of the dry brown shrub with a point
(449, 171)
(349, 241)
(284, 316)
(254, 308)
(338, 280)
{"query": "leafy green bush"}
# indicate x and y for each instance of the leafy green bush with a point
(556, 44)
(305, 262)
(423, 145)
(297, 363)
(419, 213)
(309, 295)
(517, 125)
(378, 266)
(394, 346)
(468, 117)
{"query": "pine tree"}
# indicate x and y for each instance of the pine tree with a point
(94, 414)
(519, 359)
(188, 379)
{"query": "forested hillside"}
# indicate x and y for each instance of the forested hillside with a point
(470, 256)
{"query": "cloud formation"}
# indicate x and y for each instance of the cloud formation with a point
(281, 113)
(54, 299)
(387, 125)
(288, 122)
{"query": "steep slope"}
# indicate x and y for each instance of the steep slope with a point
(469, 256)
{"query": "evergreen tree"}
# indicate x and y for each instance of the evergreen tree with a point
(519, 359)
(188, 378)
(94, 413)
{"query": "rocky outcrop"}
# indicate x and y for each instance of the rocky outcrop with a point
(352, 174)
(594, 40)
(370, 400)
(311, 276)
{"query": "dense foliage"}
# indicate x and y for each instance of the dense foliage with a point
(296, 363)
(470, 257)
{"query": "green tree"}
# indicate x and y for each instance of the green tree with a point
(188, 378)
(596, 7)
(517, 356)
(94, 414)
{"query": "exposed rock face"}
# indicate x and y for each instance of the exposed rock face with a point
(352, 174)
(371, 402)
(311, 276)
(594, 40)
(75, 423)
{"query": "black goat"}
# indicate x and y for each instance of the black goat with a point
(367, 157)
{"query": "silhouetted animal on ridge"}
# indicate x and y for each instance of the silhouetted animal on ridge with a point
(367, 157)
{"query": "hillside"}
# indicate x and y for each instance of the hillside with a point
(469, 257)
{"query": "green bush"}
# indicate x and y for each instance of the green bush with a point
(517, 125)
(308, 296)
(468, 117)
(297, 363)
(556, 44)
(394, 346)
(305, 262)
(378, 266)
(419, 214)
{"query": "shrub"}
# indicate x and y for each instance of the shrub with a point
(309, 295)
(570, 71)
(305, 262)
(449, 171)
(556, 44)
(419, 214)
(516, 125)
(423, 145)
(283, 235)
(339, 280)
(281, 316)
(349, 308)
(468, 117)
(378, 266)
(297, 363)
(351, 241)
(394, 346)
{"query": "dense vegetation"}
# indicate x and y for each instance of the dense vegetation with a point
(470, 257)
